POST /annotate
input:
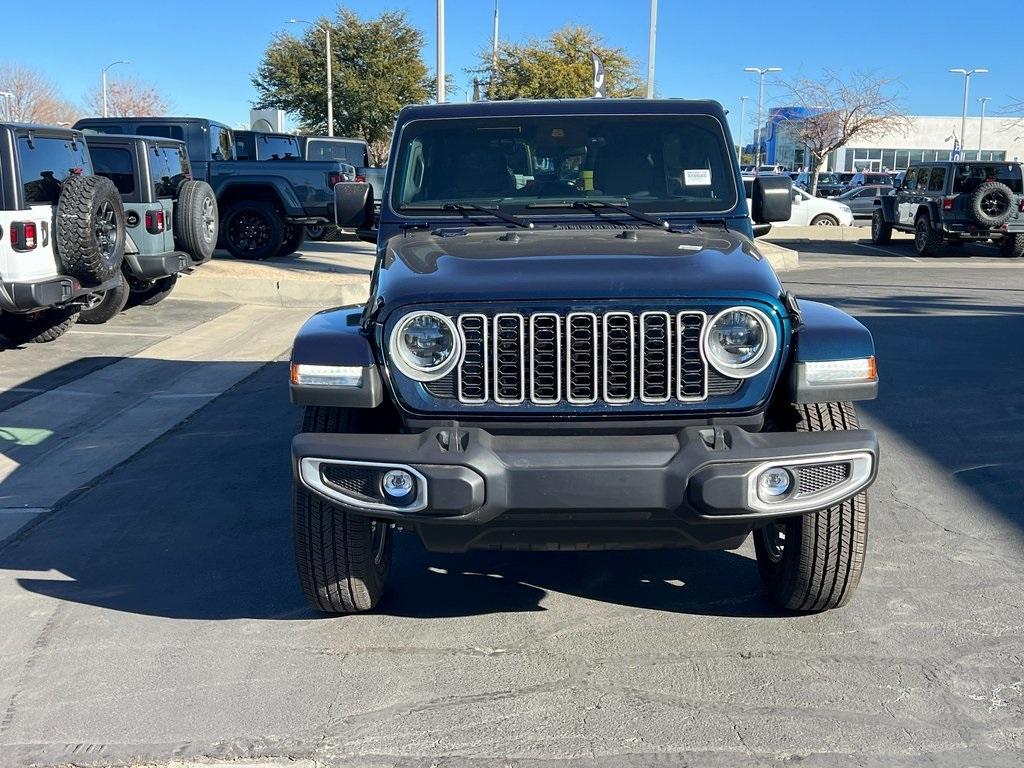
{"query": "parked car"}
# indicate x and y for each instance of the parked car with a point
(353, 151)
(597, 359)
(771, 169)
(62, 227)
(829, 184)
(862, 178)
(255, 145)
(263, 206)
(953, 202)
(862, 201)
(171, 219)
(809, 211)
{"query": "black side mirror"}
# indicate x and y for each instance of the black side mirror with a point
(353, 205)
(772, 199)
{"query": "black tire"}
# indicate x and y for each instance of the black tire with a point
(927, 242)
(102, 306)
(818, 563)
(824, 220)
(90, 229)
(294, 235)
(38, 327)
(196, 222)
(154, 294)
(991, 204)
(1012, 246)
(881, 232)
(252, 230)
(316, 231)
(343, 559)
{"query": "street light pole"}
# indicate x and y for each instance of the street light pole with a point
(652, 35)
(8, 98)
(103, 79)
(761, 72)
(983, 100)
(967, 87)
(440, 52)
(326, 29)
(743, 117)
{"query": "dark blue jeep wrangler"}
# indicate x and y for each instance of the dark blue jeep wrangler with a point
(573, 342)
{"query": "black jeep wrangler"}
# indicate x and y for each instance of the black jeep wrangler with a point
(955, 202)
(573, 342)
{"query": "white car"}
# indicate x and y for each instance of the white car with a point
(811, 211)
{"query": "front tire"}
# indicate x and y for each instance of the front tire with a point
(824, 220)
(813, 562)
(343, 559)
(881, 233)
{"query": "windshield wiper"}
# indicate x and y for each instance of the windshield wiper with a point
(465, 208)
(594, 205)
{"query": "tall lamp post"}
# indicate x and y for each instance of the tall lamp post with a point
(8, 98)
(983, 100)
(743, 118)
(330, 84)
(441, 84)
(760, 72)
(967, 87)
(103, 79)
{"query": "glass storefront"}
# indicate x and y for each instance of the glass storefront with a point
(857, 159)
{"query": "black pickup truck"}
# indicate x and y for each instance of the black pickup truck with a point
(263, 206)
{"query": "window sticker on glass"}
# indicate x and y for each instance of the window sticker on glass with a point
(697, 177)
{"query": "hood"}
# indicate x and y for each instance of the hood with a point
(498, 264)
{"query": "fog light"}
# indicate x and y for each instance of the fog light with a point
(773, 484)
(397, 483)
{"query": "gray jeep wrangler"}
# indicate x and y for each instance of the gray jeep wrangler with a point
(62, 231)
(171, 219)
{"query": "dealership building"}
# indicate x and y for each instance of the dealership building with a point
(925, 138)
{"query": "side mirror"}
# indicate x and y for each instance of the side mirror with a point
(353, 205)
(772, 199)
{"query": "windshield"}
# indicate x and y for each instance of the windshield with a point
(656, 163)
(969, 176)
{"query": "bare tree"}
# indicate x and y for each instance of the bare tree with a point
(127, 98)
(840, 109)
(34, 98)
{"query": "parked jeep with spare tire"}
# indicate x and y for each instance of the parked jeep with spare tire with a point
(952, 203)
(62, 231)
(264, 206)
(572, 341)
(171, 219)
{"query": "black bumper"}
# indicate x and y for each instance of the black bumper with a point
(31, 295)
(153, 267)
(690, 488)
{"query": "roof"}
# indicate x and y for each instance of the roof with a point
(39, 127)
(591, 106)
(156, 120)
(114, 138)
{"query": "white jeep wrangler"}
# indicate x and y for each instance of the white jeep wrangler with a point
(62, 231)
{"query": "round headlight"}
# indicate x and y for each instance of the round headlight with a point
(740, 342)
(425, 345)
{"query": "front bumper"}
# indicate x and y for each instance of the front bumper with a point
(670, 485)
(31, 295)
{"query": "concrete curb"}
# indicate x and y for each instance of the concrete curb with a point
(271, 292)
(834, 234)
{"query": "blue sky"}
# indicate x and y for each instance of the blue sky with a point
(201, 52)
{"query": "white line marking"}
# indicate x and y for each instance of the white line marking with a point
(77, 332)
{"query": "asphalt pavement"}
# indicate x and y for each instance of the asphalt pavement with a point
(151, 614)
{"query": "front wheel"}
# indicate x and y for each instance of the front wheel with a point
(825, 220)
(881, 232)
(813, 562)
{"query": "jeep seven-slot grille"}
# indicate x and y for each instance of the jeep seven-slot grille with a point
(547, 358)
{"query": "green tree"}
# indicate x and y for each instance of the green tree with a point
(558, 67)
(377, 69)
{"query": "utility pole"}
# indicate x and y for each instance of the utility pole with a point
(760, 72)
(743, 117)
(983, 100)
(494, 39)
(653, 34)
(103, 79)
(967, 87)
(440, 52)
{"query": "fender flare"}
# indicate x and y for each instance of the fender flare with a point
(281, 187)
(888, 207)
(828, 334)
(334, 337)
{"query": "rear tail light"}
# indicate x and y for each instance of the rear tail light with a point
(154, 222)
(948, 203)
(23, 236)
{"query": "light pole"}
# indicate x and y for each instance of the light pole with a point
(652, 33)
(440, 52)
(761, 72)
(967, 87)
(326, 29)
(8, 98)
(103, 78)
(743, 117)
(983, 100)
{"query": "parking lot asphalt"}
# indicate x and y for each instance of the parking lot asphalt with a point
(154, 615)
